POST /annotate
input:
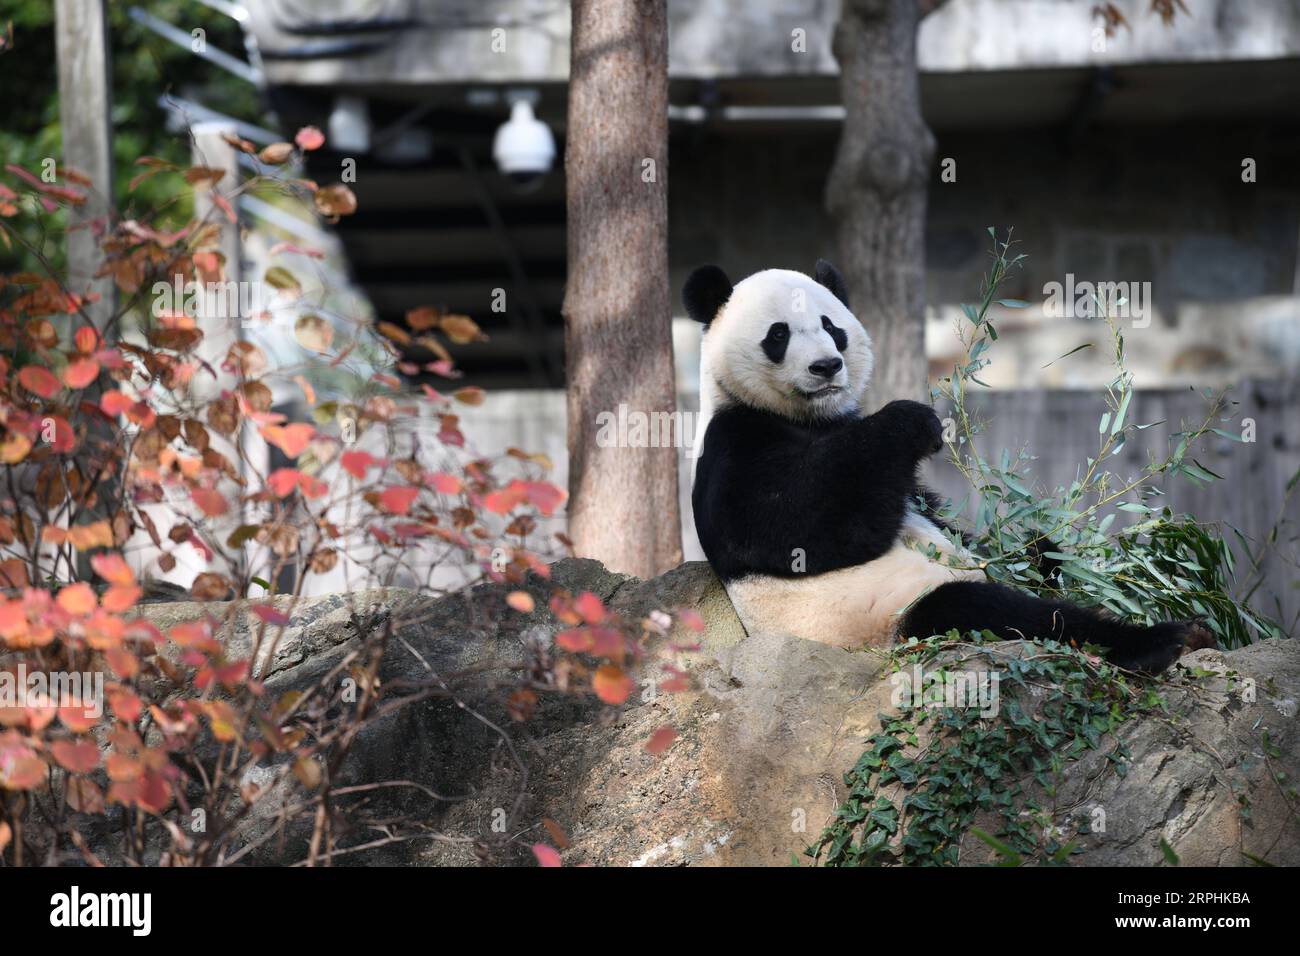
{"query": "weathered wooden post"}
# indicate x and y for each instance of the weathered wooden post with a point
(85, 99)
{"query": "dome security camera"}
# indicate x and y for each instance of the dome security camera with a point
(524, 147)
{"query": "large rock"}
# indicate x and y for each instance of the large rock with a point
(765, 735)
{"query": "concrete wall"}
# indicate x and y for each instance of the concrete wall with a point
(451, 41)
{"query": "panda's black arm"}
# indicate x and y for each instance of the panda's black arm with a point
(903, 419)
(905, 427)
(776, 497)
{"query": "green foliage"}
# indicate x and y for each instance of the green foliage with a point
(933, 771)
(1162, 566)
(145, 66)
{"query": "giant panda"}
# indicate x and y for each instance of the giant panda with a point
(811, 511)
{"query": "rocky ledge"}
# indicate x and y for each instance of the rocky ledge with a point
(766, 733)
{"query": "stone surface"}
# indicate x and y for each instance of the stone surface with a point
(765, 735)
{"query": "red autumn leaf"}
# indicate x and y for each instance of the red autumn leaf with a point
(14, 448)
(660, 741)
(521, 601)
(13, 616)
(590, 607)
(113, 568)
(611, 684)
(447, 484)
(398, 501)
(546, 855)
(76, 756)
(78, 716)
(39, 381)
(222, 203)
(125, 704)
(608, 642)
(64, 438)
(122, 662)
(192, 634)
(149, 791)
(562, 608)
(574, 639)
(211, 502)
(38, 713)
(506, 499)
(309, 138)
(20, 768)
(270, 615)
(199, 545)
(123, 766)
(545, 496)
(86, 339)
(115, 403)
(236, 672)
(357, 463)
(290, 439)
(84, 537)
(283, 481)
(121, 597)
(80, 373)
(312, 487)
(77, 599)
(84, 796)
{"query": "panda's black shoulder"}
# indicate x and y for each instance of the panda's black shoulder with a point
(741, 432)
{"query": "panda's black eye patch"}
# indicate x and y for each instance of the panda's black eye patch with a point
(838, 335)
(778, 338)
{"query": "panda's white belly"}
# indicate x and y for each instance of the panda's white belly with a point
(854, 606)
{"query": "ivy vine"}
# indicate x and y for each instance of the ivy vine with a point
(932, 771)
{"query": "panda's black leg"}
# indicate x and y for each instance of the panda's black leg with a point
(1012, 614)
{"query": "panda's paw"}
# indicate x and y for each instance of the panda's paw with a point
(918, 419)
(1196, 635)
(1152, 652)
(1163, 644)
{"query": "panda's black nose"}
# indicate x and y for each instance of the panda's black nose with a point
(826, 368)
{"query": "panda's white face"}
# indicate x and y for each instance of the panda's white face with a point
(784, 343)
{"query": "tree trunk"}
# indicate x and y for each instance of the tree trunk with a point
(877, 188)
(618, 320)
(85, 103)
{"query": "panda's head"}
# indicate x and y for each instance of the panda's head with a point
(780, 341)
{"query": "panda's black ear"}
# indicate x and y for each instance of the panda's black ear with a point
(707, 290)
(827, 275)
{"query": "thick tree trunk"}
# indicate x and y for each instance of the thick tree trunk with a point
(618, 335)
(877, 188)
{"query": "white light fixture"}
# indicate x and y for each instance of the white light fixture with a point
(349, 125)
(524, 148)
